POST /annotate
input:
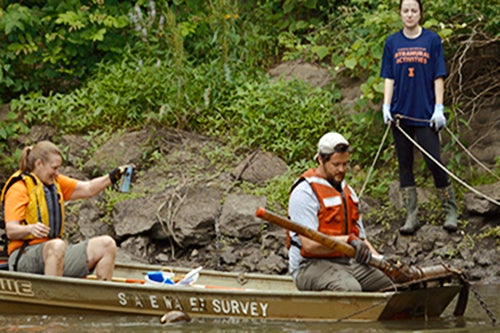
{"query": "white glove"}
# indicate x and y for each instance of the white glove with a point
(386, 110)
(438, 120)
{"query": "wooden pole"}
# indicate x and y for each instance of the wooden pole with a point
(315, 235)
(397, 272)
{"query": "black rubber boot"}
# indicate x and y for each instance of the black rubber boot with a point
(411, 203)
(447, 196)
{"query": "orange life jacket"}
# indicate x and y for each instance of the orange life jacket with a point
(37, 209)
(338, 213)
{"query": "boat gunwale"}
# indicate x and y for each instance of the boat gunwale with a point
(208, 272)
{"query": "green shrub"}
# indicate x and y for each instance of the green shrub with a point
(51, 46)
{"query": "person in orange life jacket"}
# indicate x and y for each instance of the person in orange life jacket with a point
(321, 200)
(33, 207)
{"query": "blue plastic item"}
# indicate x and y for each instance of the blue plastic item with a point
(168, 281)
(158, 276)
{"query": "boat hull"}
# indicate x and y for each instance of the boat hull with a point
(216, 295)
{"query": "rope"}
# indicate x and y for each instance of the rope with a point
(470, 154)
(375, 160)
(430, 157)
(444, 168)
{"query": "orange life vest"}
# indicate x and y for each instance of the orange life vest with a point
(37, 209)
(338, 213)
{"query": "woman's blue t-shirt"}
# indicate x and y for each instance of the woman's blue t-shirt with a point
(413, 64)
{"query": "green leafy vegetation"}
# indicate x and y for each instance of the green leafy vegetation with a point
(56, 43)
(98, 66)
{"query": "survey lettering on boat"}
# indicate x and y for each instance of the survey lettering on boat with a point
(222, 306)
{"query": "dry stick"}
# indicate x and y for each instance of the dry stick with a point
(162, 224)
(481, 85)
(171, 214)
(247, 163)
(170, 220)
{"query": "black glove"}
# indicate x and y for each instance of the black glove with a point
(116, 174)
(363, 253)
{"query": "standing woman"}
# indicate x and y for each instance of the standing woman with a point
(414, 69)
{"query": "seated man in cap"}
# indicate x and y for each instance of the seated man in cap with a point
(321, 200)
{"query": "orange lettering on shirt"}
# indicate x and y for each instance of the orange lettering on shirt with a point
(411, 71)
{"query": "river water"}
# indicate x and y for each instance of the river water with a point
(475, 320)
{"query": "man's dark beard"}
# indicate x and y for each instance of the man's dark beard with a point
(336, 185)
